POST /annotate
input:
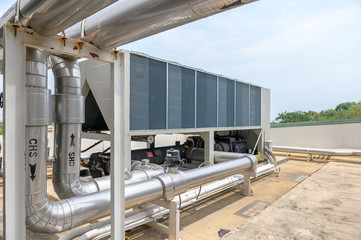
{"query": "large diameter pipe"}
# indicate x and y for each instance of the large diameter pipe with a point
(152, 211)
(200, 176)
(49, 17)
(127, 21)
(69, 213)
(68, 115)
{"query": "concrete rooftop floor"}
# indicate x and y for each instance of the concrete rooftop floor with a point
(308, 200)
(211, 219)
(327, 205)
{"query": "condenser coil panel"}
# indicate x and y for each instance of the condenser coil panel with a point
(166, 95)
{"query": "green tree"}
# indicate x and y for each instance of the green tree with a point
(346, 110)
(297, 116)
(345, 106)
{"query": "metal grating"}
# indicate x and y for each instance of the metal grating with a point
(242, 104)
(139, 92)
(255, 106)
(188, 98)
(157, 94)
(206, 100)
(225, 102)
(174, 96)
(166, 95)
(147, 93)
(181, 89)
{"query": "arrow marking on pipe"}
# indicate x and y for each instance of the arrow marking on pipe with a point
(72, 140)
(32, 171)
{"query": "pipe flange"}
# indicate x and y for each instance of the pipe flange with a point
(180, 183)
(168, 186)
(37, 116)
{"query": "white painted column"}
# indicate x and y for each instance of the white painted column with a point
(208, 138)
(125, 68)
(118, 151)
(14, 136)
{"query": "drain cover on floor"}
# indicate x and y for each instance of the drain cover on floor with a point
(223, 232)
(252, 209)
(299, 178)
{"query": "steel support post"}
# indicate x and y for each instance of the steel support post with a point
(118, 151)
(174, 220)
(208, 138)
(14, 135)
(247, 185)
(125, 67)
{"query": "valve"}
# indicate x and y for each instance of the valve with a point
(173, 160)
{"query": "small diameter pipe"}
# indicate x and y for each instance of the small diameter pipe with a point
(80, 231)
(272, 157)
(197, 154)
(338, 152)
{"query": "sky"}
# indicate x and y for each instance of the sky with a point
(307, 52)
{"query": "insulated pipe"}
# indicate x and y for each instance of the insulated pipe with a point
(48, 217)
(49, 17)
(127, 21)
(68, 115)
(339, 152)
(152, 211)
(271, 155)
(200, 176)
(197, 154)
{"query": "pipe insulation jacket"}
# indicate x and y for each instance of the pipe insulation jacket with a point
(49, 17)
(152, 211)
(127, 21)
(336, 152)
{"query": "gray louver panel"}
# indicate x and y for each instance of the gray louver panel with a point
(225, 103)
(242, 104)
(139, 92)
(174, 96)
(147, 93)
(206, 100)
(255, 106)
(166, 95)
(180, 97)
(157, 94)
(188, 98)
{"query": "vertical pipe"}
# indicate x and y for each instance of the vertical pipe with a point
(68, 113)
(38, 98)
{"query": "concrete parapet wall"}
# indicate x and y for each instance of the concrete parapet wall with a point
(347, 135)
